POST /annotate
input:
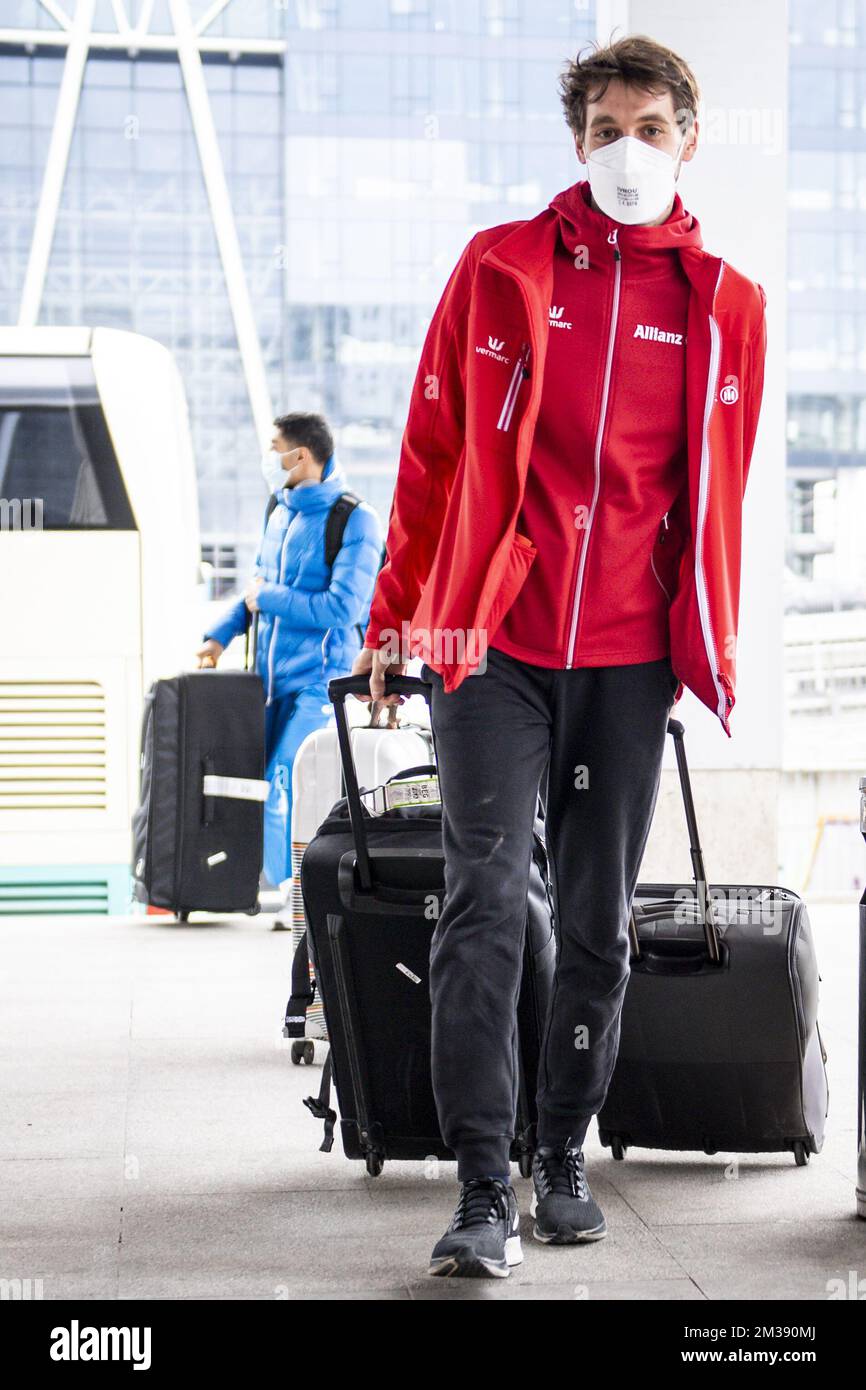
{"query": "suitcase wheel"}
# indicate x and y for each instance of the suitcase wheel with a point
(375, 1163)
(618, 1148)
(303, 1052)
(524, 1165)
(801, 1154)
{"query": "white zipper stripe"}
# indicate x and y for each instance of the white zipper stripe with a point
(510, 396)
(597, 464)
(703, 500)
(276, 619)
(271, 662)
(656, 573)
(507, 424)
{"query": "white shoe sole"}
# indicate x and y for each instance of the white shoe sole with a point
(567, 1235)
(564, 1235)
(470, 1266)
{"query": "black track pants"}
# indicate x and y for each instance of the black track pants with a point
(591, 740)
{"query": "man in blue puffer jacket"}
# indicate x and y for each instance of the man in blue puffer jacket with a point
(309, 611)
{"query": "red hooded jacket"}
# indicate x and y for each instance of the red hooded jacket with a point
(457, 559)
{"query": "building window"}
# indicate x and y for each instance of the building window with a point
(220, 562)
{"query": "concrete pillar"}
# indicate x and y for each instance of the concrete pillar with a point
(736, 187)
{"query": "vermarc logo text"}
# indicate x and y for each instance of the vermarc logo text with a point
(494, 349)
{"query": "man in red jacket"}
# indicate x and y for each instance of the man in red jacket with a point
(564, 554)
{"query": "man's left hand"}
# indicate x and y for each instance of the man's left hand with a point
(251, 595)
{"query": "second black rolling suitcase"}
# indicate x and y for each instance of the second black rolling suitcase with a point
(719, 1047)
(198, 829)
(373, 886)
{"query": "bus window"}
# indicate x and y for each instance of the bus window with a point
(55, 445)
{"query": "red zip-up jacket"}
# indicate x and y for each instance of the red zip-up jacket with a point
(608, 457)
(456, 560)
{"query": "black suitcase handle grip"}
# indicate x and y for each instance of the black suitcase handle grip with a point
(338, 690)
(341, 686)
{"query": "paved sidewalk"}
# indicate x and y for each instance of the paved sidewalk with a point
(153, 1145)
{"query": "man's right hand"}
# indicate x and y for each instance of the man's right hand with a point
(208, 655)
(378, 664)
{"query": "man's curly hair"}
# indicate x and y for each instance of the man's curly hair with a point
(639, 62)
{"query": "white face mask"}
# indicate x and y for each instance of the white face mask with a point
(632, 181)
(273, 471)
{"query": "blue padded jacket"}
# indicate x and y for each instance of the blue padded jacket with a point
(307, 611)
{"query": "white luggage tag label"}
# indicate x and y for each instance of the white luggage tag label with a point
(414, 791)
(239, 788)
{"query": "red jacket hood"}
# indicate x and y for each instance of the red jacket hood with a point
(582, 224)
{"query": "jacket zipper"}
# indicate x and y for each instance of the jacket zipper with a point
(617, 260)
(147, 721)
(703, 499)
(181, 796)
(518, 376)
(276, 618)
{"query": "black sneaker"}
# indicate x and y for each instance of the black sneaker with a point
(483, 1240)
(565, 1211)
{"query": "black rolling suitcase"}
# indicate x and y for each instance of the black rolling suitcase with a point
(720, 1049)
(198, 829)
(373, 886)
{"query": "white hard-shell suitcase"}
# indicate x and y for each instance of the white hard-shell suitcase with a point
(380, 750)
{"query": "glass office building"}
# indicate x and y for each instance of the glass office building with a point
(276, 190)
(826, 318)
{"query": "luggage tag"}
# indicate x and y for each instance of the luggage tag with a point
(214, 785)
(412, 791)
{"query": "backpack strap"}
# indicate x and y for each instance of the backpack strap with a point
(335, 526)
(320, 1107)
(272, 502)
(303, 992)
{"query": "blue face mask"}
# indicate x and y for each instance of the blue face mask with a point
(273, 471)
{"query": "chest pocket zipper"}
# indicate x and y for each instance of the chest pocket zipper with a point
(661, 539)
(518, 376)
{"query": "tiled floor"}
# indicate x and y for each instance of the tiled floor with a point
(153, 1144)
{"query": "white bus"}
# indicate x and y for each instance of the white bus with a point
(99, 566)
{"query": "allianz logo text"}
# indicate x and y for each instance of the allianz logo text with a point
(651, 332)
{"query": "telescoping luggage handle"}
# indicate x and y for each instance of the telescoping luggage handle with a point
(251, 640)
(338, 690)
(702, 895)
